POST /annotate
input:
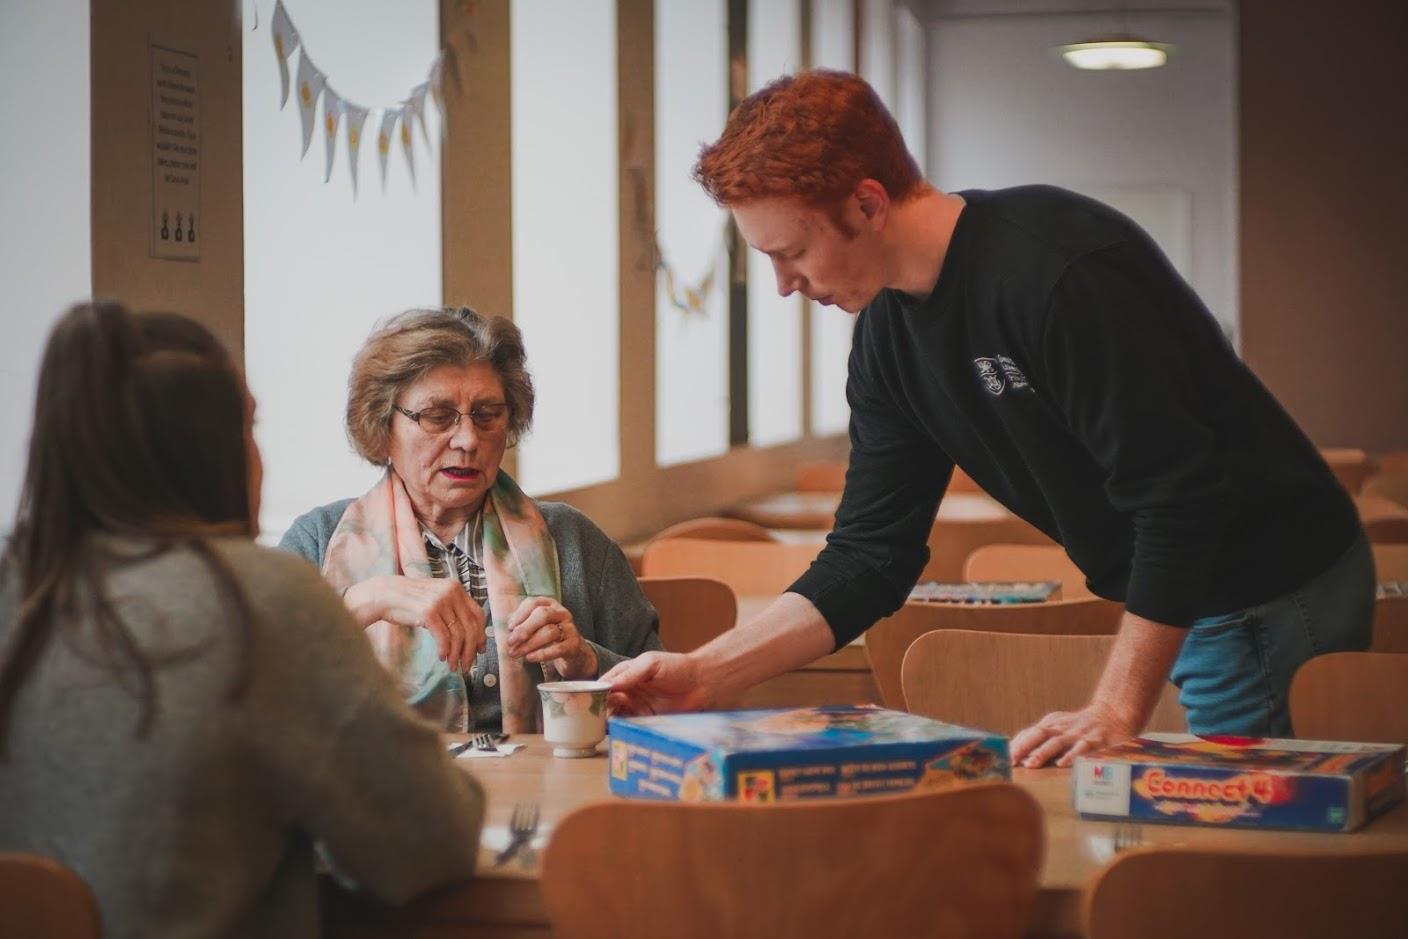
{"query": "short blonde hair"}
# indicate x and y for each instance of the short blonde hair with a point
(407, 346)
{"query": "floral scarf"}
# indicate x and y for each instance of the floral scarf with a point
(379, 534)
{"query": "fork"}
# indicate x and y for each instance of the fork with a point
(523, 824)
(480, 742)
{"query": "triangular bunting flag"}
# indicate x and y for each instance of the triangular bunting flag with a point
(310, 87)
(408, 115)
(356, 118)
(437, 84)
(418, 108)
(332, 113)
(383, 140)
(285, 41)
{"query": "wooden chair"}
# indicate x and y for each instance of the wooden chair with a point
(829, 476)
(1352, 696)
(963, 862)
(1390, 624)
(716, 529)
(888, 640)
(1174, 893)
(1385, 521)
(1350, 465)
(1027, 562)
(42, 899)
(951, 541)
(1004, 682)
(1390, 486)
(1392, 461)
(750, 568)
(1390, 561)
(692, 610)
(962, 482)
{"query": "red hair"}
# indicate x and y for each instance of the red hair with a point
(814, 135)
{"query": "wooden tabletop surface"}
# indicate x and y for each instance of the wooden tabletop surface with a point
(506, 899)
(816, 510)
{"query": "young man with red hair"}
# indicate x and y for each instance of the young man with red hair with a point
(1042, 342)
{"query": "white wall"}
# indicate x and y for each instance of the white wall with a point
(46, 229)
(320, 268)
(1006, 110)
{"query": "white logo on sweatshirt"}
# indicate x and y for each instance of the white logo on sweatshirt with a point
(998, 373)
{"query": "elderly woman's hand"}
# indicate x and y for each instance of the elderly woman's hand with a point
(542, 630)
(438, 604)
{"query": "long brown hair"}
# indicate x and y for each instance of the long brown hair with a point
(139, 429)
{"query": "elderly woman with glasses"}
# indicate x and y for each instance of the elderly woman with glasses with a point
(470, 592)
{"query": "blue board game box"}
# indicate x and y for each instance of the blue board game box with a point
(1240, 782)
(796, 753)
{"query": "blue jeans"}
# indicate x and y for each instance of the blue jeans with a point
(1234, 672)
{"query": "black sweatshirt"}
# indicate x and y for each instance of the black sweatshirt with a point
(1077, 378)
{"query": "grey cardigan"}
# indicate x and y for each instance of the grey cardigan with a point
(598, 587)
(206, 826)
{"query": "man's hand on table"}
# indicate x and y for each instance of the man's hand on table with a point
(1064, 735)
(656, 683)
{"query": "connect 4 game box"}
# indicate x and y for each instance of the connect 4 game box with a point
(797, 753)
(1240, 782)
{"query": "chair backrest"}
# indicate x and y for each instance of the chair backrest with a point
(963, 862)
(1027, 562)
(888, 640)
(1390, 561)
(42, 899)
(1174, 893)
(692, 610)
(1350, 465)
(750, 568)
(1004, 682)
(714, 528)
(1385, 521)
(1391, 486)
(829, 476)
(1392, 461)
(1352, 696)
(1390, 625)
(951, 541)
(962, 482)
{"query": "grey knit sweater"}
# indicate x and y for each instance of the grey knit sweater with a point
(206, 827)
(598, 587)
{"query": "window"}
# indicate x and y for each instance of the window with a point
(691, 301)
(566, 242)
(833, 46)
(774, 322)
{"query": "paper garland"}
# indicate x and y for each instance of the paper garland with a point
(692, 299)
(311, 85)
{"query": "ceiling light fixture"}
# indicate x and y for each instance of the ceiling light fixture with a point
(1116, 52)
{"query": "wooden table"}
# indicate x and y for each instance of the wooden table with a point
(505, 901)
(817, 510)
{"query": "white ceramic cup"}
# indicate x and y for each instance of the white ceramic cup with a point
(574, 716)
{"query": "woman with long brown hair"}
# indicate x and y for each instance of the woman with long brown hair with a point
(183, 714)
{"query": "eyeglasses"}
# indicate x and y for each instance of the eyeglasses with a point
(437, 419)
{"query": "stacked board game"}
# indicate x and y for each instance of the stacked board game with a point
(1240, 782)
(796, 753)
(987, 592)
